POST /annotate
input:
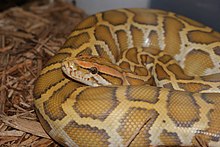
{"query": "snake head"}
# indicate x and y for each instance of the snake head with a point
(92, 71)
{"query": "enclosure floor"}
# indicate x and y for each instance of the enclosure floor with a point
(29, 36)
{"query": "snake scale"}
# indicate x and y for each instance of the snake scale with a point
(158, 82)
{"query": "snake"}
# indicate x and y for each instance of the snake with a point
(133, 77)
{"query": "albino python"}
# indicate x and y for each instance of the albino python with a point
(153, 78)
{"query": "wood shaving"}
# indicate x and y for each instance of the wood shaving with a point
(29, 36)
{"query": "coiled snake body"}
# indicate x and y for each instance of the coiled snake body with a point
(162, 87)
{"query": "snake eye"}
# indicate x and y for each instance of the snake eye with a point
(93, 70)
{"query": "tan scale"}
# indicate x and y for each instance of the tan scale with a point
(78, 40)
(187, 119)
(169, 138)
(115, 17)
(153, 39)
(137, 36)
(201, 62)
(143, 18)
(170, 93)
(203, 37)
(87, 23)
(103, 33)
(172, 36)
(194, 87)
(122, 39)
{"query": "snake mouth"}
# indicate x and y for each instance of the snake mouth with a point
(70, 69)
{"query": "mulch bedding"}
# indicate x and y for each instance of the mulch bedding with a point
(29, 36)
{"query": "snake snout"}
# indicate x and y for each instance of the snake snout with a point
(68, 68)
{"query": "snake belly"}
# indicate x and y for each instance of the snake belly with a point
(74, 114)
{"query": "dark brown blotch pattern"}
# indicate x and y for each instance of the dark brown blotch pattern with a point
(172, 31)
(153, 40)
(87, 23)
(182, 109)
(122, 39)
(178, 72)
(137, 119)
(211, 77)
(115, 17)
(170, 138)
(142, 71)
(201, 37)
(213, 130)
(137, 36)
(86, 51)
(76, 41)
(125, 65)
(131, 55)
(165, 59)
(201, 62)
(85, 135)
(96, 102)
(102, 53)
(193, 87)
(46, 81)
(44, 123)
(57, 59)
(142, 93)
(161, 73)
(103, 33)
(112, 79)
(53, 106)
(143, 17)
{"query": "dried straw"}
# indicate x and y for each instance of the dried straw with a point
(29, 36)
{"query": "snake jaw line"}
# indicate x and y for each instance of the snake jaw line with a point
(71, 70)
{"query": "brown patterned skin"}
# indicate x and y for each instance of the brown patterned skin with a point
(135, 115)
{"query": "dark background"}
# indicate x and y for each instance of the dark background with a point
(204, 11)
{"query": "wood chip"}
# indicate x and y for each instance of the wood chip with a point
(29, 36)
(25, 125)
(11, 133)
